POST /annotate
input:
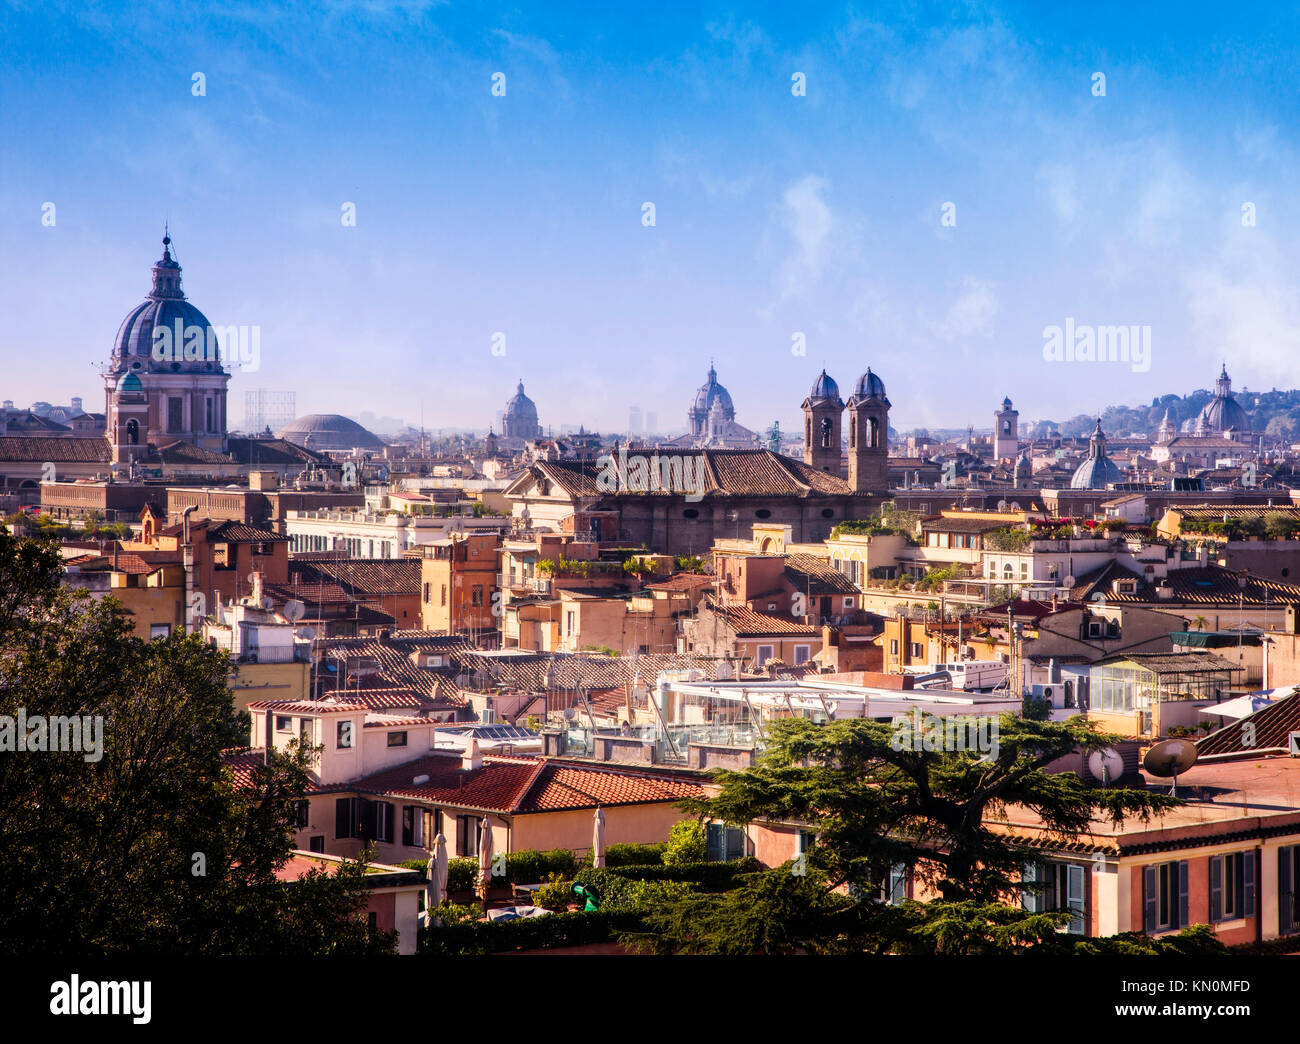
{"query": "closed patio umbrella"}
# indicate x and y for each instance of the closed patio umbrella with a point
(598, 839)
(485, 857)
(436, 889)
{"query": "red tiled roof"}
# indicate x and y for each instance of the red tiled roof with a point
(522, 785)
(682, 582)
(306, 706)
(240, 764)
(746, 622)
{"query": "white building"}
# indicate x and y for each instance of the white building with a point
(365, 534)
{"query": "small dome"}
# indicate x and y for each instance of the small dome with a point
(129, 382)
(329, 431)
(1097, 471)
(869, 386)
(824, 387)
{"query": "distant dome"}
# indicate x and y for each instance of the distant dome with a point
(1098, 471)
(711, 392)
(1223, 412)
(869, 386)
(824, 387)
(519, 421)
(329, 431)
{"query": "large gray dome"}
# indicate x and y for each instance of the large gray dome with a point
(329, 431)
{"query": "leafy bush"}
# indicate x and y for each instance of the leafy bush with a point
(685, 843)
(635, 855)
(462, 875)
(556, 894)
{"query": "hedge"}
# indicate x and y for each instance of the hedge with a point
(527, 933)
(635, 855)
(707, 877)
(526, 867)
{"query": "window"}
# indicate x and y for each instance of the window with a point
(469, 831)
(848, 602)
(397, 739)
(1164, 897)
(159, 631)
(723, 842)
(801, 654)
(283, 723)
(893, 647)
(1232, 886)
(765, 653)
(426, 594)
(174, 414)
(444, 595)
(383, 821)
(893, 884)
(306, 732)
(317, 844)
(1056, 886)
(346, 820)
(476, 595)
(413, 826)
(1288, 889)
(343, 735)
(301, 812)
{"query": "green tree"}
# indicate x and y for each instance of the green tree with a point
(142, 843)
(874, 806)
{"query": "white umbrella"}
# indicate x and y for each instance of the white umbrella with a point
(1239, 707)
(598, 839)
(485, 857)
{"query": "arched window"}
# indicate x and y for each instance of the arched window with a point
(1007, 572)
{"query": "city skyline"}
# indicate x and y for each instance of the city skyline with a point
(783, 221)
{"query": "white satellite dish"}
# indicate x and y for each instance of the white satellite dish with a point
(294, 610)
(1106, 765)
(306, 632)
(1068, 582)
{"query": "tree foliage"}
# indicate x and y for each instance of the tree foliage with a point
(150, 848)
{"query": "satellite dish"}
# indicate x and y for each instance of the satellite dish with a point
(294, 610)
(306, 632)
(268, 603)
(1170, 757)
(1068, 582)
(1106, 765)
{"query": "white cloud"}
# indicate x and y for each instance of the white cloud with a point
(807, 217)
(971, 314)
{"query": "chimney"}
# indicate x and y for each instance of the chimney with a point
(472, 758)
(258, 576)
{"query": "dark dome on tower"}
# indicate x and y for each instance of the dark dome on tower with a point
(166, 309)
(869, 386)
(824, 387)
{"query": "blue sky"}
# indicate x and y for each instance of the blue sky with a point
(774, 214)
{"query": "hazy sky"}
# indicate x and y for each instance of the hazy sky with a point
(775, 214)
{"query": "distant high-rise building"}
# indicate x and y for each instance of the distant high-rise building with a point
(268, 409)
(651, 423)
(634, 420)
